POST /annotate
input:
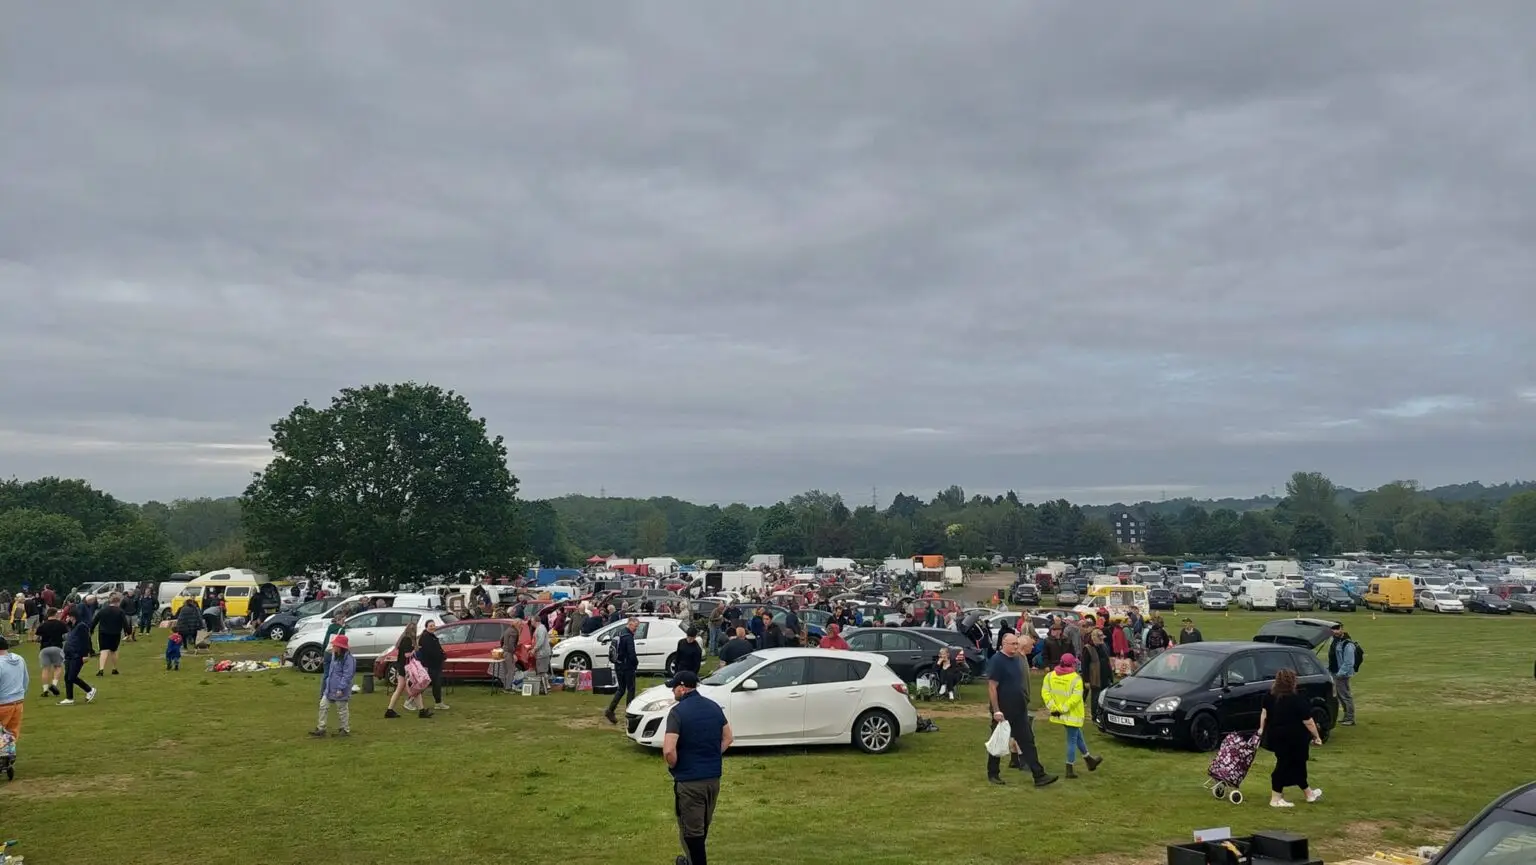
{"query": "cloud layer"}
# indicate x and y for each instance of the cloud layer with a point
(730, 252)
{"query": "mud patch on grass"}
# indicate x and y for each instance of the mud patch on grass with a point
(583, 723)
(1153, 856)
(64, 788)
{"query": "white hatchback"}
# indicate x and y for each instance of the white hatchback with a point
(371, 633)
(799, 696)
(655, 643)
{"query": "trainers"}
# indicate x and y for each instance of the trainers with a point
(114, 672)
(440, 707)
(90, 695)
(1315, 795)
(1281, 803)
(611, 719)
(993, 779)
(1350, 722)
(318, 734)
(391, 713)
(100, 673)
(66, 702)
(424, 713)
(344, 733)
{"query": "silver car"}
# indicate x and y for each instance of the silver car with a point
(371, 633)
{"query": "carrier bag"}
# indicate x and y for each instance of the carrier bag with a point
(997, 743)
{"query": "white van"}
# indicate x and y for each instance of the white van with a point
(1422, 582)
(1255, 594)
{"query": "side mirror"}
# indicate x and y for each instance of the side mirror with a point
(749, 685)
(604, 638)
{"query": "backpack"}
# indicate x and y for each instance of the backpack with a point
(613, 652)
(1359, 655)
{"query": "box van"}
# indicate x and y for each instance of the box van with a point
(1256, 594)
(236, 586)
(1390, 594)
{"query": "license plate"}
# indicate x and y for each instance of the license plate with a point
(1122, 720)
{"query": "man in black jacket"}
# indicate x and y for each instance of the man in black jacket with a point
(626, 663)
(736, 647)
(690, 655)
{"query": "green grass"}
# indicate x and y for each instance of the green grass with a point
(215, 768)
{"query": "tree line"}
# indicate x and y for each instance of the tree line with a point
(397, 481)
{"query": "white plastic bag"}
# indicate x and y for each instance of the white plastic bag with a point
(997, 743)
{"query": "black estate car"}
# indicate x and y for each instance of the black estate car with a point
(1502, 833)
(1195, 694)
(1488, 602)
(1160, 599)
(1293, 600)
(1185, 593)
(911, 653)
(1335, 600)
(1024, 593)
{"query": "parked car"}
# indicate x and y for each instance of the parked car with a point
(281, 626)
(1522, 603)
(1213, 600)
(1335, 600)
(1184, 593)
(467, 649)
(1488, 603)
(961, 647)
(1025, 594)
(1501, 834)
(1193, 695)
(1440, 601)
(1161, 599)
(1294, 599)
(655, 643)
(371, 633)
(794, 697)
(1067, 594)
(909, 652)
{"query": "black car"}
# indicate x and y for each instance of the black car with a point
(1025, 593)
(1488, 602)
(1160, 599)
(1522, 603)
(958, 642)
(1195, 694)
(910, 652)
(280, 626)
(1335, 601)
(1500, 833)
(1185, 593)
(1294, 600)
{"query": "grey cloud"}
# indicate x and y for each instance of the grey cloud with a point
(731, 252)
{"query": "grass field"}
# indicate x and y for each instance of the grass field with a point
(215, 768)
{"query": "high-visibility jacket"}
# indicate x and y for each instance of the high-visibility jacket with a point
(1063, 697)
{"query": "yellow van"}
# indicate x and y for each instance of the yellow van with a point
(1390, 595)
(236, 586)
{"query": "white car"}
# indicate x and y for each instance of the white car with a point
(1440, 601)
(779, 697)
(371, 633)
(1210, 600)
(655, 643)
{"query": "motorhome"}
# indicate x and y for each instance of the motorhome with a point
(1117, 599)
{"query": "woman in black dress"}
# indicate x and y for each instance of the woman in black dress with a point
(1286, 728)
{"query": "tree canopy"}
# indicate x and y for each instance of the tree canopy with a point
(388, 482)
(65, 533)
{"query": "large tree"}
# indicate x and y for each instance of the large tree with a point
(728, 539)
(1517, 522)
(388, 482)
(38, 547)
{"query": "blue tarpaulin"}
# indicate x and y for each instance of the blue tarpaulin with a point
(545, 576)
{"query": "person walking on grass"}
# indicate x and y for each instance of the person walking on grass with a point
(430, 653)
(13, 688)
(336, 687)
(1343, 661)
(189, 620)
(405, 649)
(50, 654)
(77, 647)
(697, 736)
(1008, 694)
(109, 625)
(626, 663)
(1062, 693)
(1287, 720)
(146, 609)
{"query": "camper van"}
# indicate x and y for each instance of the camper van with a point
(236, 586)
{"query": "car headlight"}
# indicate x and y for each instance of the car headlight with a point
(1166, 704)
(656, 705)
(1102, 695)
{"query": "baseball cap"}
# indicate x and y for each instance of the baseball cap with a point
(685, 678)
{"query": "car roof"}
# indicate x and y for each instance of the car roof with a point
(1521, 799)
(808, 652)
(1229, 647)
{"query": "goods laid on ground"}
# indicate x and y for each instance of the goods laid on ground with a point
(245, 666)
(1268, 848)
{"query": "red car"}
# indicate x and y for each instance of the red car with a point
(466, 644)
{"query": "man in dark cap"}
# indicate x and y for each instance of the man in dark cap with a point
(696, 738)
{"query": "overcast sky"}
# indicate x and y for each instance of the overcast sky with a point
(731, 251)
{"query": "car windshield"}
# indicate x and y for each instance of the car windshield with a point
(1177, 666)
(1503, 839)
(1443, 596)
(733, 671)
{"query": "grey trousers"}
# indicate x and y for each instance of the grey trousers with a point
(343, 713)
(1342, 687)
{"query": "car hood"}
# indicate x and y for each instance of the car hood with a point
(1146, 690)
(715, 693)
(1306, 633)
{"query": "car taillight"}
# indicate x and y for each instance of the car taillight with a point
(900, 687)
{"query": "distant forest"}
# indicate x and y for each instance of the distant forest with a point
(1313, 517)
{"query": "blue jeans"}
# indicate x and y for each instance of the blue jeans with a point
(1076, 744)
(714, 640)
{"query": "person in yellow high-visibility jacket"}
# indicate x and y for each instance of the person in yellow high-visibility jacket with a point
(1062, 693)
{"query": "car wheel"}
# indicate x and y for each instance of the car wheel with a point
(1320, 718)
(671, 666)
(278, 633)
(1204, 732)
(874, 732)
(309, 659)
(578, 661)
